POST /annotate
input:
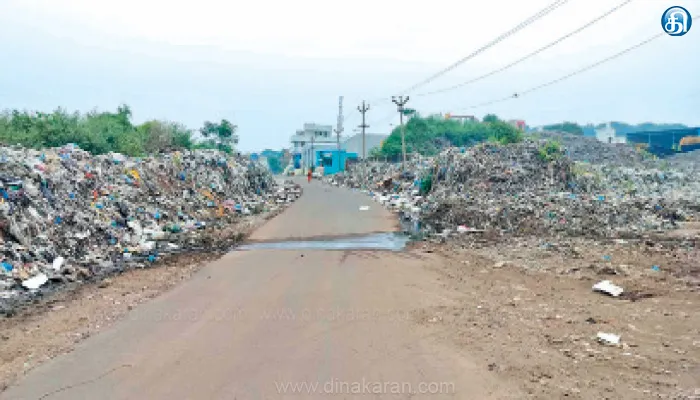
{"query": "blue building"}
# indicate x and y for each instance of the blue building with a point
(667, 142)
(332, 160)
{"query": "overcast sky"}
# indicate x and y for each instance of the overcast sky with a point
(269, 66)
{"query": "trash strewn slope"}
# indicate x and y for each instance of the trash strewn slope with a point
(535, 188)
(68, 216)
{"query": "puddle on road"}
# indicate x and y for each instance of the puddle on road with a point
(375, 241)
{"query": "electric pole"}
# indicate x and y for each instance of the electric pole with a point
(313, 138)
(363, 109)
(339, 129)
(401, 101)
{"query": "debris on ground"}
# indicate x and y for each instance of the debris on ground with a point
(530, 231)
(608, 338)
(67, 216)
(608, 288)
(518, 190)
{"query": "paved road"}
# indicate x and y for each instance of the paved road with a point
(253, 324)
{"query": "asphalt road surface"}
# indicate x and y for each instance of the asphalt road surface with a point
(269, 324)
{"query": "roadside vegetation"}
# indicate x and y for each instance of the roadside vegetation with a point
(101, 132)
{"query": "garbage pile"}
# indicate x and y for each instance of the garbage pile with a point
(591, 150)
(520, 190)
(67, 216)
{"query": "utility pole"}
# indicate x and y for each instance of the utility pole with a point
(339, 129)
(401, 101)
(313, 139)
(363, 109)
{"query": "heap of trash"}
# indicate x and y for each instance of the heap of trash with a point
(591, 150)
(529, 188)
(67, 216)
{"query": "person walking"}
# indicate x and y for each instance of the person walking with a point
(308, 175)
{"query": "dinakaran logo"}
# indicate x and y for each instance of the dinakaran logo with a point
(676, 21)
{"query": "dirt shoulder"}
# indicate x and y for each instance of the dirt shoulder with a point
(528, 313)
(53, 326)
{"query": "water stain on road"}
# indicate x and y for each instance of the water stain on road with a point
(374, 241)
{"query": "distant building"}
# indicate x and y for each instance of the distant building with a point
(311, 135)
(607, 134)
(667, 141)
(518, 123)
(311, 132)
(353, 144)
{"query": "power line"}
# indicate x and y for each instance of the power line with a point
(565, 77)
(530, 55)
(386, 119)
(499, 39)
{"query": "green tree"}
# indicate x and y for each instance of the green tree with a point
(505, 133)
(223, 134)
(96, 132)
(490, 118)
(431, 134)
(568, 127)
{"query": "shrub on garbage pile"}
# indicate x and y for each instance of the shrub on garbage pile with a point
(505, 133)
(549, 151)
(426, 185)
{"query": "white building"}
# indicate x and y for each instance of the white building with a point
(313, 135)
(607, 134)
(311, 132)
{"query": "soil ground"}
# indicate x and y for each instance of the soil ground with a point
(527, 309)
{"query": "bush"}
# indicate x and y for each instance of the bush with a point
(103, 132)
(426, 185)
(429, 135)
(550, 151)
(505, 133)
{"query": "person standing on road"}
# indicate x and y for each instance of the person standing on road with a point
(308, 175)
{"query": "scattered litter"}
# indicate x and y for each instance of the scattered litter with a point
(608, 338)
(364, 208)
(7, 267)
(608, 288)
(655, 268)
(57, 263)
(35, 282)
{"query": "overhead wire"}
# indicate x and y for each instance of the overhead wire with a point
(530, 55)
(570, 75)
(540, 14)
